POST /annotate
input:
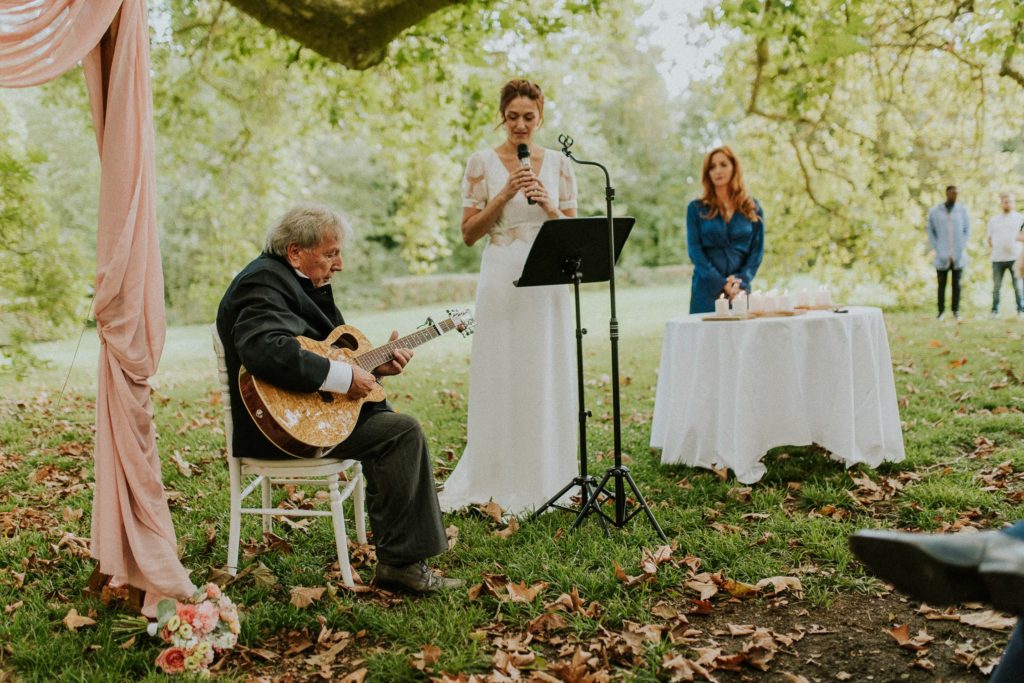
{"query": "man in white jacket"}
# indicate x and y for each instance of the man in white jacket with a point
(1003, 229)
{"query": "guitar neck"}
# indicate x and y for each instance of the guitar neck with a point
(383, 354)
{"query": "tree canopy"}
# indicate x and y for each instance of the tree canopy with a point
(849, 117)
(355, 33)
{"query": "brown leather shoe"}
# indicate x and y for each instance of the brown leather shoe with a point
(416, 577)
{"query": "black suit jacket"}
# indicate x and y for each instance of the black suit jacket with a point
(266, 306)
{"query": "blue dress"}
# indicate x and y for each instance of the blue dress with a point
(718, 250)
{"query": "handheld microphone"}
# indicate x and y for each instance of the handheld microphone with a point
(523, 152)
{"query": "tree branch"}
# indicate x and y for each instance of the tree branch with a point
(355, 33)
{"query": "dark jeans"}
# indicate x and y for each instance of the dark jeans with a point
(998, 268)
(942, 289)
(1011, 664)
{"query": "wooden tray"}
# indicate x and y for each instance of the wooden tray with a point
(775, 314)
(725, 318)
(816, 307)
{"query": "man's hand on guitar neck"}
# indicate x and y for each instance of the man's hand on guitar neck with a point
(402, 357)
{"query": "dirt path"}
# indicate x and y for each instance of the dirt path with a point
(851, 640)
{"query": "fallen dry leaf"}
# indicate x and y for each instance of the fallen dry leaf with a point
(520, 592)
(74, 621)
(426, 658)
(303, 597)
(901, 634)
(989, 619)
(492, 510)
(783, 583)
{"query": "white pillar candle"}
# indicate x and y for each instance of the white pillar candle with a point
(739, 303)
(721, 305)
(756, 302)
(803, 298)
(785, 301)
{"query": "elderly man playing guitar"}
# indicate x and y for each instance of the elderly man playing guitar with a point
(285, 293)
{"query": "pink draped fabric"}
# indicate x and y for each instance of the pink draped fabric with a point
(132, 534)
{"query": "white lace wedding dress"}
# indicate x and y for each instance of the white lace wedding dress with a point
(522, 430)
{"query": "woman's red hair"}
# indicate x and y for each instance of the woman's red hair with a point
(741, 201)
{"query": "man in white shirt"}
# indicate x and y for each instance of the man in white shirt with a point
(1003, 229)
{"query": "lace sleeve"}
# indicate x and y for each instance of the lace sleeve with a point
(566, 185)
(474, 184)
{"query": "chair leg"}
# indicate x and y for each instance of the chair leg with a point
(340, 536)
(235, 523)
(359, 503)
(268, 520)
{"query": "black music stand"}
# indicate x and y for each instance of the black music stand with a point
(573, 251)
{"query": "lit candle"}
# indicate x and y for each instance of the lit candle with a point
(756, 302)
(803, 299)
(721, 305)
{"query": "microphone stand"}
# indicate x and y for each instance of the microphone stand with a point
(618, 471)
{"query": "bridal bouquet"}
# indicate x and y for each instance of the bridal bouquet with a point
(196, 630)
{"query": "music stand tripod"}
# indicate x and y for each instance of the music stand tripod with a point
(619, 472)
(572, 250)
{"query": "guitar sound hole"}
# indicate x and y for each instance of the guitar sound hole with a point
(326, 396)
(347, 341)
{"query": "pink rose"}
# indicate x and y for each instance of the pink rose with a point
(206, 618)
(172, 660)
(212, 591)
(187, 613)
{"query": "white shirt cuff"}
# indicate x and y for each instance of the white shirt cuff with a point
(339, 378)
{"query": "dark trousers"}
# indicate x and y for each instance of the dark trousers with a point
(998, 268)
(942, 289)
(1011, 664)
(400, 495)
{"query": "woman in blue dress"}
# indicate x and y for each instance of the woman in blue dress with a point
(724, 233)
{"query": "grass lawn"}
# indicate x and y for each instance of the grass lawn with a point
(961, 392)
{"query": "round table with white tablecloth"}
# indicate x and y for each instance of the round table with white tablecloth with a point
(728, 391)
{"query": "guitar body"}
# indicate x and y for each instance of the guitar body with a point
(307, 425)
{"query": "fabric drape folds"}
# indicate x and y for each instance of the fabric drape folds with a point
(132, 533)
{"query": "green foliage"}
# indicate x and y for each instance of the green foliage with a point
(248, 123)
(849, 117)
(856, 117)
(39, 294)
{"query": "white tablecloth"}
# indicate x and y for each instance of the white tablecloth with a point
(729, 391)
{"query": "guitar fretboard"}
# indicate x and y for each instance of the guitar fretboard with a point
(383, 354)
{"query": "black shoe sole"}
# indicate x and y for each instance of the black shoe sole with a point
(918, 574)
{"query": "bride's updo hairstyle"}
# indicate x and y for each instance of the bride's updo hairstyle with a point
(520, 87)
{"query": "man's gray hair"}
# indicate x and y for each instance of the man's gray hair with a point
(1005, 195)
(306, 225)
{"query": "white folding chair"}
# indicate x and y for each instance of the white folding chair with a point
(309, 471)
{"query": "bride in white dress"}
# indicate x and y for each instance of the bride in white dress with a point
(523, 415)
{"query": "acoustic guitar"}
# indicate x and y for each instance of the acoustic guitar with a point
(308, 425)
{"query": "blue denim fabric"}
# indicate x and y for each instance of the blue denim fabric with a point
(998, 268)
(938, 235)
(1011, 664)
(718, 250)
